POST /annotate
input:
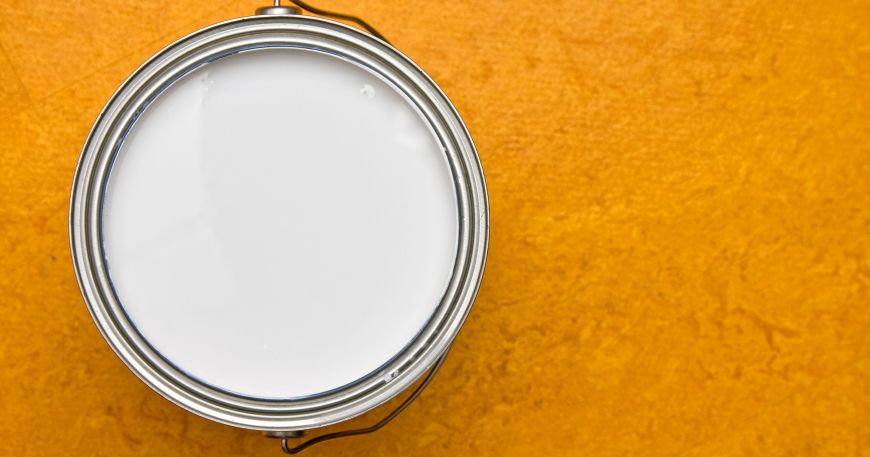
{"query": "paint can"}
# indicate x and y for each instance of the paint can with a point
(279, 223)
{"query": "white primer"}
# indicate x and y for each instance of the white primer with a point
(280, 223)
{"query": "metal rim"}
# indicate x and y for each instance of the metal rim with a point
(242, 35)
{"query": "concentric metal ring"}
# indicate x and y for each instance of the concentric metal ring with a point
(246, 35)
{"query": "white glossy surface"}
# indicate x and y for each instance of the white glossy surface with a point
(280, 223)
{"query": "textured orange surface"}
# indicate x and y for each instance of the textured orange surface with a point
(679, 259)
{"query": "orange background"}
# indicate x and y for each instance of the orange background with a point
(679, 259)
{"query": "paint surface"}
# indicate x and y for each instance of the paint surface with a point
(280, 223)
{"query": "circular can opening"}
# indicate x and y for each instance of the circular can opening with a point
(279, 223)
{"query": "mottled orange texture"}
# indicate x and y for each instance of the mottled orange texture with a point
(679, 259)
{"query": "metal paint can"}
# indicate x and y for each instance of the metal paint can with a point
(277, 30)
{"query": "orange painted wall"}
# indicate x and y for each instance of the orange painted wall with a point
(679, 262)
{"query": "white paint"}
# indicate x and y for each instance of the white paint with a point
(280, 223)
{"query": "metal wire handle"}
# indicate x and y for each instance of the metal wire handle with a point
(362, 431)
(341, 16)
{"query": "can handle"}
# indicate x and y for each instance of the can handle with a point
(277, 9)
(372, 428)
